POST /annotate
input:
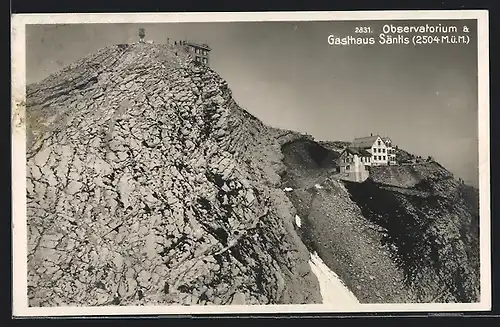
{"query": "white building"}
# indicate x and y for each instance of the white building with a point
(365, 152)
(375, 146)
(353, 164)
(390, 150)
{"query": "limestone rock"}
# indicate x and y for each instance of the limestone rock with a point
(141, 168)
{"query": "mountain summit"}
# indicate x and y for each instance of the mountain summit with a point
(148, 184)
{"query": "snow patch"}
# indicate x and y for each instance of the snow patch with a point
(298, 221)
(333, 290)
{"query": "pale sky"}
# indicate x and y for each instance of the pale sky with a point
(286, 73)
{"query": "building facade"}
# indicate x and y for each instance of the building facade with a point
(354, 163)
(356, 159)
(391, 151)
(375, 146)
(199, 52)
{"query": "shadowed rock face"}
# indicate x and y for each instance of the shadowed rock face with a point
(432, 228)
(147, 184)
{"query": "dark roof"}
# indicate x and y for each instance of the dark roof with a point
(358, 151)
(364, 142)
(386, 139)
(203, 46)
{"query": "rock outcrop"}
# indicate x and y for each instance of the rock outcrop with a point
(147, 184)
(408, 233)
(431, 225)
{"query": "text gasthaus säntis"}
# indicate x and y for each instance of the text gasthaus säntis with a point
(391, 34)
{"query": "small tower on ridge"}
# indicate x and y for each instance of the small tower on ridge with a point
(142, 34)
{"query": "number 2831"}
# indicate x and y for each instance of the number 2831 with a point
(362, 29)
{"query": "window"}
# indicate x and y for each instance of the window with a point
(383, 150)
(347, 167)
(379, 150)
(378, 143)
(205, 60)
(383, 158)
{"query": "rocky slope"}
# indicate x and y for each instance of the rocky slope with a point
(407, 234)
(147, 184)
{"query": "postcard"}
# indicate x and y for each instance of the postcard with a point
(272, 162)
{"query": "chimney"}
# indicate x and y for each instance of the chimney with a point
(371, 134)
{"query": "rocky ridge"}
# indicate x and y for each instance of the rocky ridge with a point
(147, 184)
